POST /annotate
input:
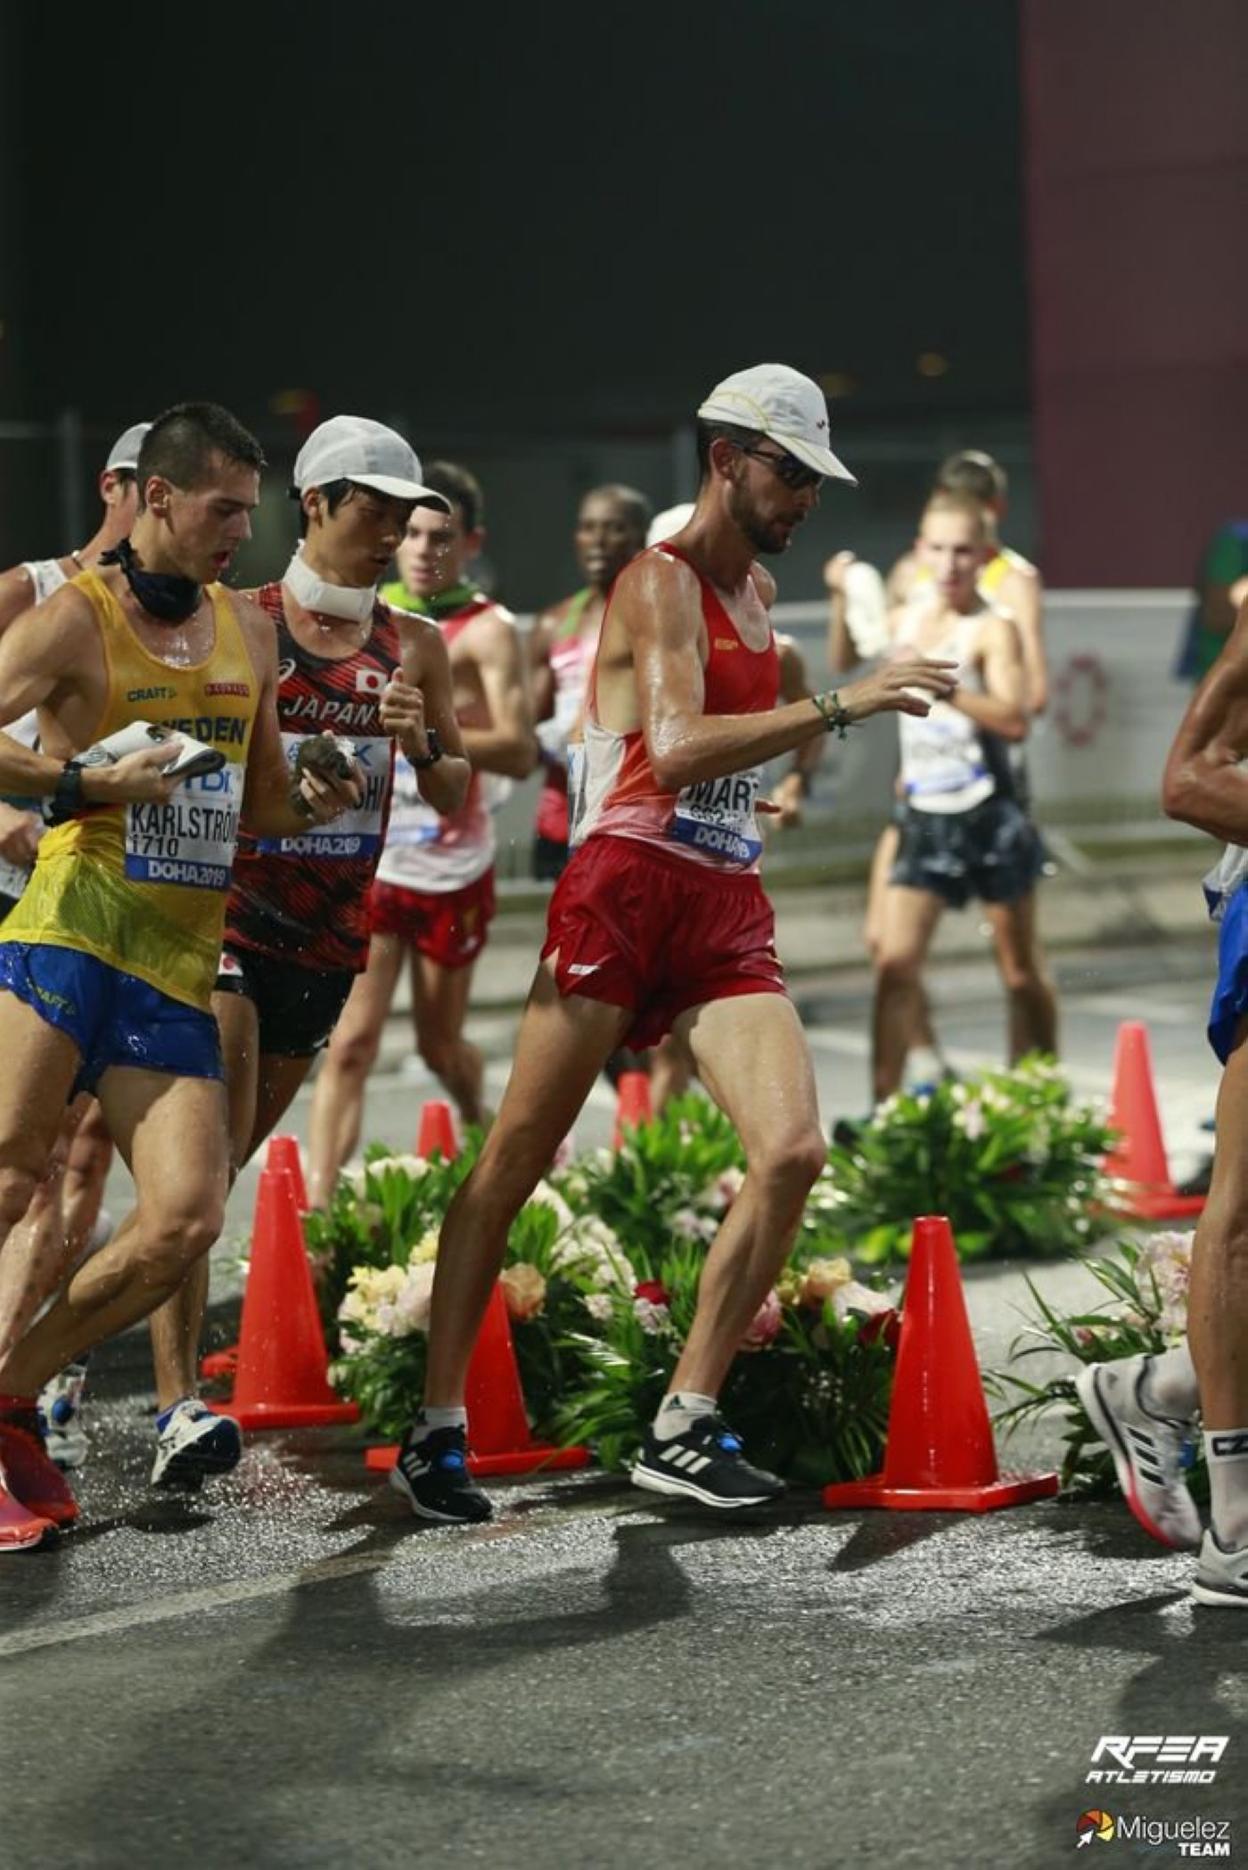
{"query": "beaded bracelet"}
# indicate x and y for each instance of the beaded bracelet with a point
(836, 719)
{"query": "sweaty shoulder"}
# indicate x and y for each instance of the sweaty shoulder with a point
(417, 636)
(489, 629)
(259, 631)
(17, 593)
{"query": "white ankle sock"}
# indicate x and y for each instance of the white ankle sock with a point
(432, 1418)
(1169, 1387)
(679, 1411)
(1226, 1450)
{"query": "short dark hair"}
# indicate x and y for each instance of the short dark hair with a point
(335, 492)
(180, 445)
(637, 508)
(974, 472)
(707, 432)
(461, 488)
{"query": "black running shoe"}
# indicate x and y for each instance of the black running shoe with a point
(707, 1464)
(432, 1475)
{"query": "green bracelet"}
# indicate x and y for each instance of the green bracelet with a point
(836, 719)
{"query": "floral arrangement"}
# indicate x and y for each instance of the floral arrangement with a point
(600, 1281)
(1146, 1282)
(1010, 1157)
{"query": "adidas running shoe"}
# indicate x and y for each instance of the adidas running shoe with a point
(432, 1475)
(1147, 1450)
(705, 1463)
(1221, 1576)
(193, 1443)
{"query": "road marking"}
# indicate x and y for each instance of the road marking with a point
(188, 1603)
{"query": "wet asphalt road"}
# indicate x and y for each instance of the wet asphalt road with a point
(286, 1670)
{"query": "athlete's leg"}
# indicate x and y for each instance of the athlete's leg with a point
(176, 1325)
(40, 1065)
(1217, 1311)
(907, 923)
(338, 1100)
(439, 1009)
(560, 1049)
(1030, 997)
(671, 1070)
(882, 861)
(171, 1132)
(38, 1253)
(773, 1107)
(90, 1159)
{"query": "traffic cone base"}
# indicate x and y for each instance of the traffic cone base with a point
(1009, 1490)
(1139, 1156)
(939, 1456)
(530, 1460)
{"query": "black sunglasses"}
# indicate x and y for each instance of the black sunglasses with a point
(787, 467)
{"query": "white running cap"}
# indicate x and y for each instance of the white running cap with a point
(353, 448)
(786, 407)
(671, 520)
(124, 453)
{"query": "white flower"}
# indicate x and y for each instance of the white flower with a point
(600, 1307)
(690, 1225)
(969, 1118)
(552, 1199)
(426, 1248)
(654, 1320)
(369, 1289)
(861, 1300)
(411, 1166)
(884, 1111)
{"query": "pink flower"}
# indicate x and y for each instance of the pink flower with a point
(765, 1325)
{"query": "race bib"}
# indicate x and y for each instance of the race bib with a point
(190, 838)
(942, 758)
(717, 817)
(353, 834)
(412, 821)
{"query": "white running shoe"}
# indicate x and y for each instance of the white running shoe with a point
(1221, 1576)
(1147, 1450)
(60, 1416)
(195, 1444)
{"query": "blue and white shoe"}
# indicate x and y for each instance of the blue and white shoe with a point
(60, 1416)
(432, 1475)
(705, 1463)
(193, 1444)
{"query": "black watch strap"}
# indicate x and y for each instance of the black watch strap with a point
(68, 798)
(435, 750)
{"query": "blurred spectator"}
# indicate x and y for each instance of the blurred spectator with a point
(1220, 589)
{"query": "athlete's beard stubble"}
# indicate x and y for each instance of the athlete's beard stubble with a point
(763, 537)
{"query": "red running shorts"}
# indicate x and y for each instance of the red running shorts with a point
(658, 934)
(448, 927)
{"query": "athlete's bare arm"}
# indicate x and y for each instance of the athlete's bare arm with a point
(795, 786)
(1204, 783)
(268, 797)
(1022, 593)
(52, 659)
(508, 745)
(1002, 707)
(420, 698)
(541, 675)
(651, 675)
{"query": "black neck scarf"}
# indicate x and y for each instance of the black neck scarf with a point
(162, 594)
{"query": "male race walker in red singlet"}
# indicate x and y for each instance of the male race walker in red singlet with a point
(660, 923)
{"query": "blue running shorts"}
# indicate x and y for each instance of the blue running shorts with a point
(113, 1018)
(1230, 995)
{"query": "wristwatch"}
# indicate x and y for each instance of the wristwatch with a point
(67, 799)
(434, 754)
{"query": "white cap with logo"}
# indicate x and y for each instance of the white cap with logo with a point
(368, 453)
(786, 407)
(124, 453)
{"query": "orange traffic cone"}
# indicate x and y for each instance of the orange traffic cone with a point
(1139, 1156)
(939, 1455)
(282, 1365)
(437, 1132)
(282, 1153)
(498, 1426)
(634, 1104)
